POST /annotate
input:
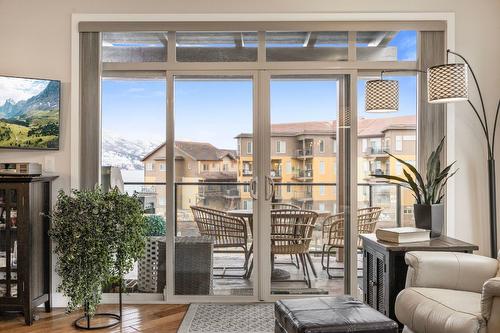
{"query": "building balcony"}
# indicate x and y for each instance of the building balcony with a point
(276, 174)
(301, 196)
(304, 175)
(233, 193)
(304, 153)
(369, 175)
(376, 152)
(246, 172)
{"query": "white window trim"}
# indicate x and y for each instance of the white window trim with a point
(280, 147)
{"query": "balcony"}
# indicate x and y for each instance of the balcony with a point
(276, 174)
(304, 153)
(301, 196)
(376, 152)
(304, 175)
(246, 172)
(369, 175)
(233, 193)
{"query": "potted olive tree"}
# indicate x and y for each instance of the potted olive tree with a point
(429, 193)
(98, 236)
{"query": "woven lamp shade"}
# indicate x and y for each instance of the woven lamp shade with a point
(382, 96)
(447, 83)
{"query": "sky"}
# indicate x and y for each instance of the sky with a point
(216, 111)
(19, 89)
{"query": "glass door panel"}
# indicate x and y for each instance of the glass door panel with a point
(8, 243)
(306, 229)
(214, 169)
(133, 158)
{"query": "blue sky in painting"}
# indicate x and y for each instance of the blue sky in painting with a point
(216, 111)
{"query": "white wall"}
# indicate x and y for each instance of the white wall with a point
(35, 41)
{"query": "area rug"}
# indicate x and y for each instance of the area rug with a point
(229, 318)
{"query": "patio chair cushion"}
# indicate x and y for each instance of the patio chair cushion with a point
(330, 314)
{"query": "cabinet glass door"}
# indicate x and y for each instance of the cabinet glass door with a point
(8, 243)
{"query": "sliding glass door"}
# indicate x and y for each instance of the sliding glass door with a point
(214, 186)
(302, 208)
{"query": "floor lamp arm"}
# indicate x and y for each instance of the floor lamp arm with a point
(495, 127)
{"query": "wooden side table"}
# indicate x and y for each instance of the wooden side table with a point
(384, 267)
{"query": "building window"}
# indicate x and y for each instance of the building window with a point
(249, 147)
(225, 167)
(189, 166)
(399, 168)
(163, 167)
(399, 143)
(247, 204)
(162, 201)
(280, 147)
(205, 167)
(321, 167)
(322, 190)
(321, 146)
(321, 206)
(246, 188)
(149, 166)
(408, 210)
(239, 148)
(288, 188)
(288, 167)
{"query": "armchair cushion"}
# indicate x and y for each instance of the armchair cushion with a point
(434, 310)
(449, 270)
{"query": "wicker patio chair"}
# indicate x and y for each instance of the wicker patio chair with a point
(333, 232)
(279, 205)
(291, 234)
(225, 230)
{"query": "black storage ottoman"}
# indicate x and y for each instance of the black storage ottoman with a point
(330, 314)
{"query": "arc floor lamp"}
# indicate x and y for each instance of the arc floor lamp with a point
(446, 83)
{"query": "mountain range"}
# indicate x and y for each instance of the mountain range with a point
(46, 100)
(125, 153)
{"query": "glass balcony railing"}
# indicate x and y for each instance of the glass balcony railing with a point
(304, 174)
(376, 151)
(301, 153)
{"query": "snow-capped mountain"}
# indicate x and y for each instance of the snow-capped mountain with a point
(123, 153)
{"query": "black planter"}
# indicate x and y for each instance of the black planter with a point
(430, 217)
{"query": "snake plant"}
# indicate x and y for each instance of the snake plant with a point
(432, 190)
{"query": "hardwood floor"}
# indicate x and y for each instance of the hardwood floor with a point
(148, 318)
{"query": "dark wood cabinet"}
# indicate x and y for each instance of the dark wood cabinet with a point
(384, 267)
(25, 254)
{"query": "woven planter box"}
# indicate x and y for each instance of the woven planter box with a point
(193, 265)
(151, 270)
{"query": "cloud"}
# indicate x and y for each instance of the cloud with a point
(19, 89)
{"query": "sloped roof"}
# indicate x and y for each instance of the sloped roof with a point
(366, 127)
(201, 151)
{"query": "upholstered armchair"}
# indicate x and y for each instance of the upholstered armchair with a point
(450, 293)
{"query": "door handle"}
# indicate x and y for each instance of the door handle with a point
(253, 188)
(269, 184)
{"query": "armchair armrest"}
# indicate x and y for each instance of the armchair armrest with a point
(491, 289)
(449, 270)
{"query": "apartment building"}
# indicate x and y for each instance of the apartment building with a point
(194, 162)
(306, 153)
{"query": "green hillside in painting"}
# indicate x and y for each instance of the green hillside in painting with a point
(31, 123)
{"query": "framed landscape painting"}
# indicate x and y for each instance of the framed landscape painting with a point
(29, 113)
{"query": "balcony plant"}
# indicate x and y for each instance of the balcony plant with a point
(98, 236)
(151, 266)
(428, 193)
